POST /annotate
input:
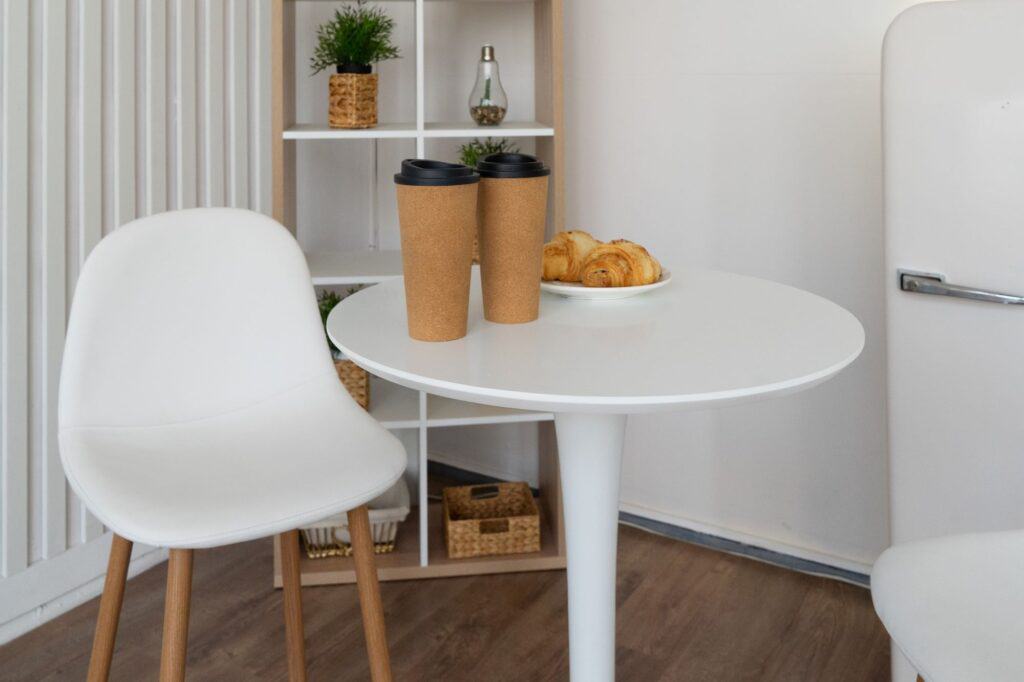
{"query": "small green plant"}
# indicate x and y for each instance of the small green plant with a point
(358, 35)
(471, 152)
(327, 300)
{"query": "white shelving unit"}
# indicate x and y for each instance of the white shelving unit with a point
(335, 268)
(420, 547)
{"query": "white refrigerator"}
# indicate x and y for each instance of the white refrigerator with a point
(953, 101)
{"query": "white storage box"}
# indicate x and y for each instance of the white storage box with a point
(329, 537)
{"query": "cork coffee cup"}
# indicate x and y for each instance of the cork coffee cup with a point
(437, 216)
(511, 214)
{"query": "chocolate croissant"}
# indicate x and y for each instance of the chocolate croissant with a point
(620, 263)
(565, 254)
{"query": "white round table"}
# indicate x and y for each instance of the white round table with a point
(707, 339)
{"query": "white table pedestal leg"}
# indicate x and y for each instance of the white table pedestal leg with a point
(590, 456)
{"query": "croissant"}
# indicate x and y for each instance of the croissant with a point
(620, 263)
(564, 255)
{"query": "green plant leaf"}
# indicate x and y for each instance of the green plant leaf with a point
(326, 300)
(473, 151)
(358, 34)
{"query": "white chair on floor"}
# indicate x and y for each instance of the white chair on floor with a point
(955, 605)
(199, 407)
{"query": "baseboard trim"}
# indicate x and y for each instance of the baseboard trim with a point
(50, 588)
(744, 549)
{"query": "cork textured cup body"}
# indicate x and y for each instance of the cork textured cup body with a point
(437, 223)
(511, 214)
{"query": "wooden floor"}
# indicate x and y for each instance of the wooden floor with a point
(685, 613)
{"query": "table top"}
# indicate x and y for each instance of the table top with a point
(707, 338)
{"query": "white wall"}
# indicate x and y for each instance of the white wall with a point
(745, 136)
(110, 110)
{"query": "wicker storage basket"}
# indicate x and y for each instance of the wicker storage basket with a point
(353, 100)
(490, 519)
(330, 537)
(356, 381)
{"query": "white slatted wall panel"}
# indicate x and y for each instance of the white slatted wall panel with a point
(14, 283)
(109, 110)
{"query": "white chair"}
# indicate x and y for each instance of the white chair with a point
(954, 605)
(199, 407)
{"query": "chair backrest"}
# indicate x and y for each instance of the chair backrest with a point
(187, 315)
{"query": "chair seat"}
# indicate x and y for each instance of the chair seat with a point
(955, 605)
(253, 472)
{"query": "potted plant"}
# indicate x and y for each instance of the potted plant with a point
(354, 378)
(356, 38)
(326, 300)
(473, 151)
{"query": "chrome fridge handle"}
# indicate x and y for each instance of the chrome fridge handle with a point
(931, 283)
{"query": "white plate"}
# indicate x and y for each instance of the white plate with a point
(577, 290)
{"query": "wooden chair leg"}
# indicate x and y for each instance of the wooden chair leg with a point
(291, 580)
(369, 594)
(176, 608)
(110, 610)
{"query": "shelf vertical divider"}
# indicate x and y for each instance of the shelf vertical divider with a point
(424, 501)
(421, 83)
(277, 115)
(549, 102)
(421, 153)
(282, 115)
(374, 198)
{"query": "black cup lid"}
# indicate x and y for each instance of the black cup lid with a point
(424, 172)
(505, 165)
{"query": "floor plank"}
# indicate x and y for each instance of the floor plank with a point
(685, 613)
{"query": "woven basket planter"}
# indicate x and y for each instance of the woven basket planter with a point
(356, 381)
(353, 100)
(490, 519)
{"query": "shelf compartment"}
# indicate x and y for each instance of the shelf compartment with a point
(459, 129)
(403, 563)
(397, 407)
(394, 406)
(451, 412)
(353, 267)
(321, 131)
(546, 559)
